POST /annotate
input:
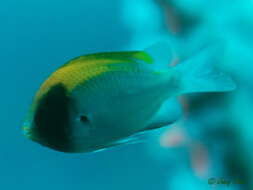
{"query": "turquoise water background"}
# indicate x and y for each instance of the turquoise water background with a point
(36, 37)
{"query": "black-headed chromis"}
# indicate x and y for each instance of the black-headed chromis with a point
(104, 99)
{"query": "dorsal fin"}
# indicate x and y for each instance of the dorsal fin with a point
(112, 57)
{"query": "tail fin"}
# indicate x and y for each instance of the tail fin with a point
(198, 75)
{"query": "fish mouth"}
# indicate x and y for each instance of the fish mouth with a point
(26, 129)
(28, 132)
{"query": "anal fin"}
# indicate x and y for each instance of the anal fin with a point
(169, 112)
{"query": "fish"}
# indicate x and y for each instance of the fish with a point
(102, 100)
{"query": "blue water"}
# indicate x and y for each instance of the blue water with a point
(36, 38)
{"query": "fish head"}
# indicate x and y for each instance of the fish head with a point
(54, 122)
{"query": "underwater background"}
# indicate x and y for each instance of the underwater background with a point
(209, 148)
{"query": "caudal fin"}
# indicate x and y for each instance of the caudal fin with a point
(199, 75)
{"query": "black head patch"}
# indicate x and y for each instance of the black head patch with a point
(51, 119)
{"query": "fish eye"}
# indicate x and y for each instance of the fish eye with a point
(83, 118)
